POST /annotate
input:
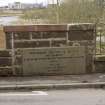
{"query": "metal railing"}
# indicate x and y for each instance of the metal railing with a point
(100, 39)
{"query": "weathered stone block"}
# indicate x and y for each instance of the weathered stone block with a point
(52, 61)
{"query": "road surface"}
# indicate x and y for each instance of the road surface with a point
(55, 97)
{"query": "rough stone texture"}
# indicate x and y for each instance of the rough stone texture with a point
(80, 35)
(84, 35)
(39, 36)
(81, 26)
(5, 63)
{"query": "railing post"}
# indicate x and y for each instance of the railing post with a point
(100, 42)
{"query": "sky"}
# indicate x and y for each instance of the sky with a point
(5, 2)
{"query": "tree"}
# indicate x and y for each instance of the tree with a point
(70, 11)
(80, 11)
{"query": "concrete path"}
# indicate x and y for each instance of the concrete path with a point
(53, 82)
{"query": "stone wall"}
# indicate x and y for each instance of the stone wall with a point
(84, 35)
(52, 36)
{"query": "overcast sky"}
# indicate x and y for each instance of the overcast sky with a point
(5, 2)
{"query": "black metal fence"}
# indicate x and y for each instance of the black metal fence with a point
(100, 39)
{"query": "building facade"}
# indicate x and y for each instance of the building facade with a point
(19, 5)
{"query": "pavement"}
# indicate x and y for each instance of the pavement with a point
(53, 82)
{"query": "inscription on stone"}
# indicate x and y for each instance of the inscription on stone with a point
(54, 60)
